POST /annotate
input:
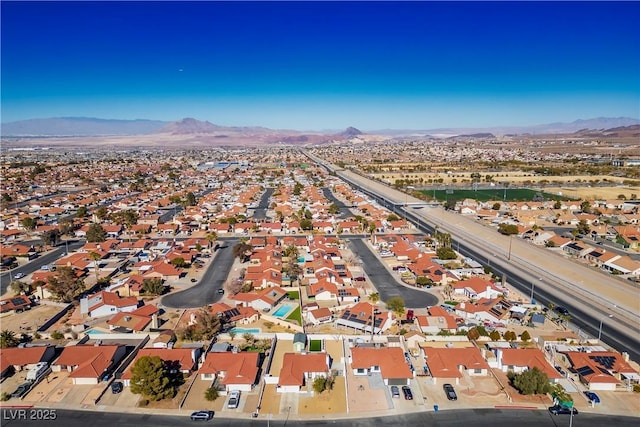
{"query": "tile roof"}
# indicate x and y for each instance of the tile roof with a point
(391, 361)
(446, 362)
(296, 365)
(238, 368)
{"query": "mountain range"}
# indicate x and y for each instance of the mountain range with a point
(85, 126)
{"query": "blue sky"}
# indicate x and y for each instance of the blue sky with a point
(324, 65)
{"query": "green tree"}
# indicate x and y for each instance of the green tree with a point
(334, 209)
(242, 251)
(496, 206)
(66, 227)
(291, 252)
(392, 217)
(508, 229)
(29, 223)
(190, 199)
(510, 336)
(396, 304)
(494, 335)
(51, 237)
(18, 287)
(583, 227)
(151, 378)
(211, 237)
(96, 233)
(473, 334)
(153, 286)
(101, 213)
(585, 207)
(211, 394)
(64, 285)
(423, 281)
(208, 324)
(525, 336)
(81, 212)
(178, 262)
(8, 339)
(306, 224)
(557, 204)
(532, 381)
(319, 384)
(446, 253)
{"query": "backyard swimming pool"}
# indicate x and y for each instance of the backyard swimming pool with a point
(283, 310)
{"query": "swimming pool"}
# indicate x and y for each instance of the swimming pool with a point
(95, 332)
(282, 311)
(245, 330)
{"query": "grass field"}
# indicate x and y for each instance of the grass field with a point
(497, 194)
(296, 316)
(315, 345)
(294, 294)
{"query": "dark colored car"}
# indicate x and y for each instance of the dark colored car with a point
(562, 410)
(360, 279)
(592, 397)
(201, 415)
(562, 310)
(116, 387)
(408, 395)
(561, 371)
(21, 390)
(450, 392)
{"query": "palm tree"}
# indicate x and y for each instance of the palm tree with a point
(95, 257)
(211, 238)
(8, 339)
(374, 298)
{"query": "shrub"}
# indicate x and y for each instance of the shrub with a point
(57, 335)
(5, 396)
(143, 402)
(211, 394)
(525, 336)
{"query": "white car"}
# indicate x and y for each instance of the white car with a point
(18, 276)
(234, 399)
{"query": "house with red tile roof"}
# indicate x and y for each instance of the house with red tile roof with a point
(16, 304)
(319, 316)
(437, 320)
(236, 371)
(601, 370)
(486, 310)
(88, 364)
(238, 315)
(25, 358)
(475, 288)
(260, 300)
(138, 320)
(448, 364)
(106, 303)
(298, 370)
(518, 360)
(183, 360)
(360, 316)
(388, 361)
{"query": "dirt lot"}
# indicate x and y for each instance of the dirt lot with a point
(592, 193)
(333, 402)
(29, 320)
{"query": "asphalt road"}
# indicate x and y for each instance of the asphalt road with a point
(468, 418)
(35, 264)
(385, 283)
(261, 210)
(345, 212)
(206, 290)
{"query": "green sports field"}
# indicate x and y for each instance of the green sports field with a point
(497, 194)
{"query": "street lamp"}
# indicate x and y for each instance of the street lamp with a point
(600, 329)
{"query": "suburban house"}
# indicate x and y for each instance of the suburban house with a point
(360, 316)
(448, 364)
(297, 368)
(601, 370)
(183, 360)
(106, 303)
(138, 320)
(264, 299)
(24, 358)
(519, 360)
(88, 364)
(319, 316)
(235, 371)
(388, 361)
(16, 304)
(437, 320)
(476, 288)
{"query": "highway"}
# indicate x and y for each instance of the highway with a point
(591, 297)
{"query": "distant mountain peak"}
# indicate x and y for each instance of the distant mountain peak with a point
(350, 132)
(189, 125)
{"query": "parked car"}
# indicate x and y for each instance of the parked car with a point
(562, 310)
(408, 395)
(450, 392)
(116, 387)
(395, 392)
(201, 415)
(18, 276)
(221, 291)
(562, 410)
(360, 279)
(561, 371)
(22, 390)
(593, 398)
(234, 399)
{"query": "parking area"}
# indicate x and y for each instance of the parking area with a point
(10, 384)
(124, 399)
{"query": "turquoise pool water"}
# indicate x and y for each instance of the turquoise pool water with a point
(245, 330)
(282, 311)
(94, 331)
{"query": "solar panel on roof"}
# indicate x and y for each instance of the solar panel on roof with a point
(585, 370)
